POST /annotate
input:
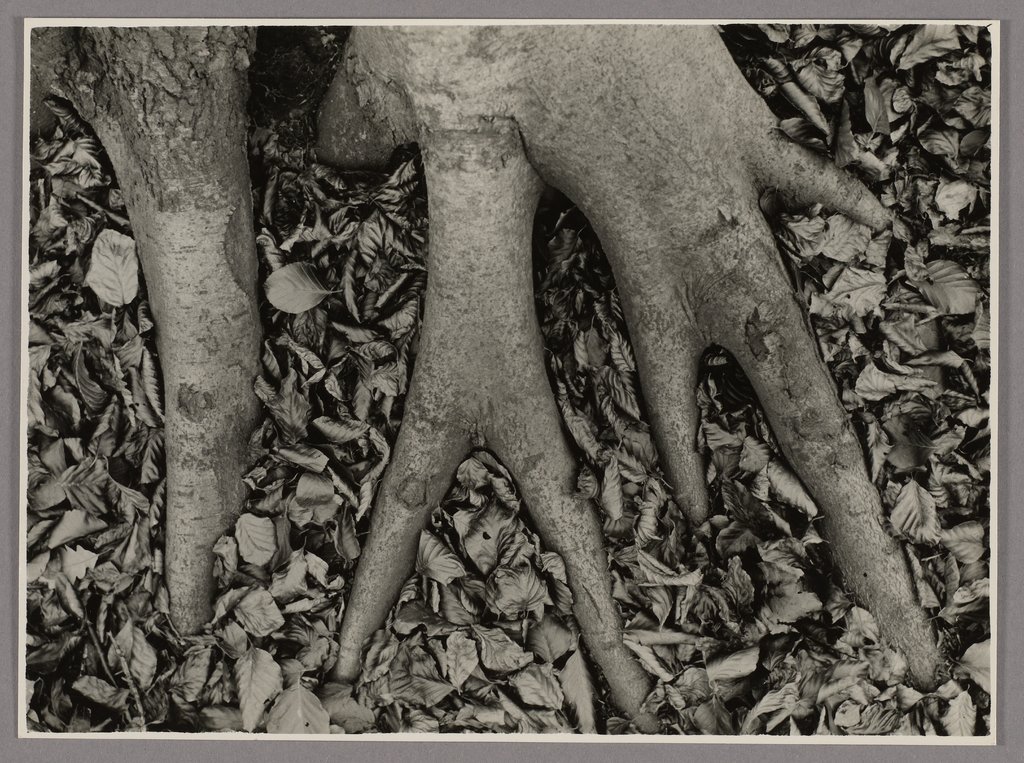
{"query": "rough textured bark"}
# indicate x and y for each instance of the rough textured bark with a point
(169, 106)
(669, 176)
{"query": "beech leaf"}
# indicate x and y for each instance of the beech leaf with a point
(345, 710)
(790, 603)
(498, 652)
(786, 488)
(258, 614)
(857, 291)
(462, 658)
(436, 561)
(875, 109)
(192, 673)
(514, 591)
(579, 692)
(914, 514)
(611, 489)
(315, 492)
(966, 541)
(295, 288)
(875, 384)
(953, 196)
(930, 41)
(259, 681)
(298, 711)
(845, 239)
(538, 685)
(256, 537)
(961, 716)
(949, 288)
(141, 655)
(340, 431)
(99, 691)
(74, 524)
(730, 666)
(977, 662)
(549, 639)
(114, 269)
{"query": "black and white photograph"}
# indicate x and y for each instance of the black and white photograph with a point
(546, 380)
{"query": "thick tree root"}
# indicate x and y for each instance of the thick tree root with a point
(168, 106)
(481, 369)
(814, 432)
(675, 206)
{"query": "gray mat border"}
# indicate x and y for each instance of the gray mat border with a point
(1011, 452)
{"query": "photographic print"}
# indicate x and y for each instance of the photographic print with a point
(521, 379)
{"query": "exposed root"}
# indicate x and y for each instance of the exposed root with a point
(813, 430)
(482, 362)
(179, 154)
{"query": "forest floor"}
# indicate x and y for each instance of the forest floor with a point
(742, 622)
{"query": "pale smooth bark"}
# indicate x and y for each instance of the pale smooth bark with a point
(168, 105)
(655, 135)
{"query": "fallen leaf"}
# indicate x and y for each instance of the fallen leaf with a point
(72, 525)
(99, 691)
(977, 662)
(952, 197)
(579, 692)
(258, 614)
(295, 288)
(141, 656)
(436, 561)
(961, 716)
(949, 288)
(928, 42)
(298, 711)
(114, 269)
(538, 685)
(256, 537)
(728, 666)
(914, 514)
(966, 541)
(259, 680)
(498, 652)
(462, 658)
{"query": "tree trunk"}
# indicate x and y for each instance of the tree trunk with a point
(169, 106)
(669, 174)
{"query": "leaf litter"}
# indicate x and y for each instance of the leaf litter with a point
(742, 621)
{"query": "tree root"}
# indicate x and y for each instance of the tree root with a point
(481, 368)
(670, 178)
(176, 136)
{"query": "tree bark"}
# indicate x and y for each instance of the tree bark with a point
(669, 175)
(168, 105)
(481, 371)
